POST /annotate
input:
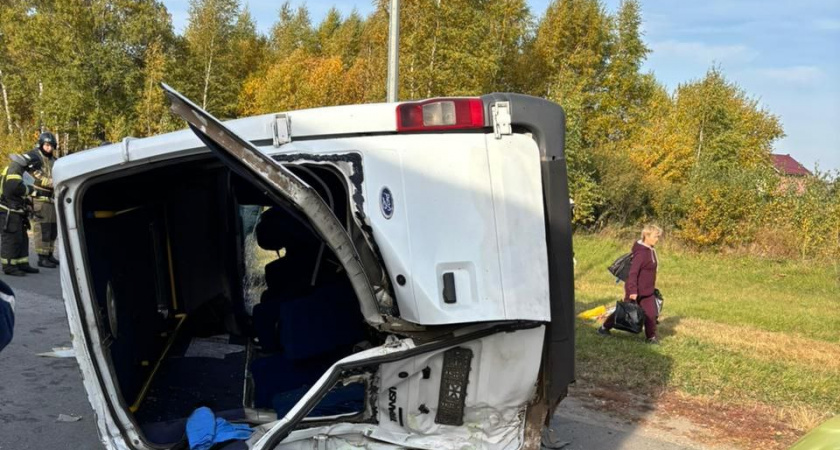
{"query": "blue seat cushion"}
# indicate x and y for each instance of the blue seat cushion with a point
(276, 373)
(325, 321)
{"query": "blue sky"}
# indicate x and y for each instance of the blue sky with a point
(786, 54)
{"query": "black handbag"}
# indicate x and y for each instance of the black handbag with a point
(620, 268)
(629, 316)
(659, 300)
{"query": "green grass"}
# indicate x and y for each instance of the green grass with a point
(734, 327)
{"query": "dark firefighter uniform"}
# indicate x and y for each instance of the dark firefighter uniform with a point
(7, 314)
(45, 230)
(14, 218)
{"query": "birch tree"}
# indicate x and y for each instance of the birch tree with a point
(208, 37)
(151, 112)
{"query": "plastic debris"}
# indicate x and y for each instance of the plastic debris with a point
(68, 418)
(59, 352)
(592, 313)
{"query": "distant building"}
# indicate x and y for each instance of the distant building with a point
(792, 172)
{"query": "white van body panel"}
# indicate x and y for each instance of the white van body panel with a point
(441, 187)
(468, 204)
(494, 422)
(520, 225)
(492, 416)
(82, 324)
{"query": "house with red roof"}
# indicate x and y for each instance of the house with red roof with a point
(792, 172)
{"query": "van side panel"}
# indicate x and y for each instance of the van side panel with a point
(447, 206)
(520, 224)
(382, 169)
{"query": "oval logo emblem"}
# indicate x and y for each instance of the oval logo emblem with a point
(386, 203)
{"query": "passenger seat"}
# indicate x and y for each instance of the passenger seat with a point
(308, 328)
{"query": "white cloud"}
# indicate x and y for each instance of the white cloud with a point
(800, 75)
(704, 53)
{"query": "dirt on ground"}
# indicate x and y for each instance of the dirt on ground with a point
(694, 421)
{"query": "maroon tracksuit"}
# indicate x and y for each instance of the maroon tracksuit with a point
(641, 281)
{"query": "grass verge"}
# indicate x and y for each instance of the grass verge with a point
(735, 329)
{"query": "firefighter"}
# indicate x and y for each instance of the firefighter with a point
(15, 205)
(45, 230)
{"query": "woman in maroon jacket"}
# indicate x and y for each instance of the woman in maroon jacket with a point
(641, 282)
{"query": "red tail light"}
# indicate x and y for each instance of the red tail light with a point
(441, 114)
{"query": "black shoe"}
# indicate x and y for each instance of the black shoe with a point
(604, 332)
(27, 268)
(53, 259)
(44, 261)
(653, 341)
(14, 271)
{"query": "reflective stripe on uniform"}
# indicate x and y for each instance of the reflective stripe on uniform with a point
(6, 208)
(20, 261)
(14, 177)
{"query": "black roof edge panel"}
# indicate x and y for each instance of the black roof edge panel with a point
(544, 118)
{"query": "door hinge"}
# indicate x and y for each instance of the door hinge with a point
(501, 119)
(321, 441)
(282, 129)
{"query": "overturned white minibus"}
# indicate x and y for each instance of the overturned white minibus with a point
(369, 276)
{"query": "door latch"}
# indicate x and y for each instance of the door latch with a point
(501, 119)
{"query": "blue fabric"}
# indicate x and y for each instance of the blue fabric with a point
(170, 432)
(7, 314)
(276, 373)
(201, 429)
(327, 320)
(205, 429)
(226, 431)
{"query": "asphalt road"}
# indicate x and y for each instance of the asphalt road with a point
(35, 390)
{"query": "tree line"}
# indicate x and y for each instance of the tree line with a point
(696, 158)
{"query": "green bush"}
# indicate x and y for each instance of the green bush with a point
(723, 206)
(809, 216)
(11, 144)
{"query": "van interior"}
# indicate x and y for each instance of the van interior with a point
(208, 293)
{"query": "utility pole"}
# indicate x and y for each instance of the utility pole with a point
(393, 52)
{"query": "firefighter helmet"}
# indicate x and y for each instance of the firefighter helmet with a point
(46, 137)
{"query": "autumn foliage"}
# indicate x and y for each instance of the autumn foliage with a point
(695, 159)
